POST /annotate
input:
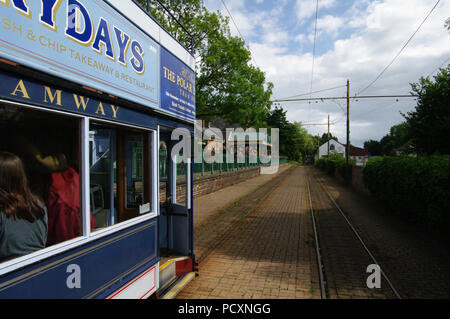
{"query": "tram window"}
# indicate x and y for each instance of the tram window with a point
(47, 146)
(103, 172)
(163, 160)
(134, 157)
(163, 173)
(119, 174)
(181, 182)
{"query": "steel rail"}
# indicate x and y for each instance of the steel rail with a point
(323, 293)
(360, 240)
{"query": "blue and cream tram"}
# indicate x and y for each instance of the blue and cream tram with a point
(90, 94)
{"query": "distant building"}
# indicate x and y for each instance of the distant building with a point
(359, 155)
(335, 148)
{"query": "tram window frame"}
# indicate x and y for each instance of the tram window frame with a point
(86, 234)
(125, 214)
(152, 170)
(36, 256)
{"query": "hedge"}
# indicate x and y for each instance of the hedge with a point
(417, 188)
(333, 163)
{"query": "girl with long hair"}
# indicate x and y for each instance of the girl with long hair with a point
(23, 217)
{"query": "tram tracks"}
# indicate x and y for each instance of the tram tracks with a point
(337, 241)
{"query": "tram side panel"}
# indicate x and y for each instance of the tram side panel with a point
(114, 249)
(95, 270)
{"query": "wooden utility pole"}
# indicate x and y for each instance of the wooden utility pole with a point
(328, 153)
(347, 151)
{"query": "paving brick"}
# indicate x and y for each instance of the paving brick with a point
(269, 252)
(261, 257)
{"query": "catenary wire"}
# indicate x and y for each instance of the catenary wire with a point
(401, 50)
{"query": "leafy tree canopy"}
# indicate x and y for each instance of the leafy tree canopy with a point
(227, 86)
(373, 147)
(429, 122)
(295, 141)
(324, 138)
(396, 142)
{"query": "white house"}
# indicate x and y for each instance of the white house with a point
(359, 155)
(335, 147)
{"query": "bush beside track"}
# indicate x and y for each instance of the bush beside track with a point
(417, 188)
(333, 163)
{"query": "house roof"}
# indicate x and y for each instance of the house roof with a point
(357, 151)
(354, 151)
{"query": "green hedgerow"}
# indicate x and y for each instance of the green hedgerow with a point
(417, 188)
(333, 163)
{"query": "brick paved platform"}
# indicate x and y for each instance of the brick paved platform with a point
(217, 213)
(270, 254)
(258, 243)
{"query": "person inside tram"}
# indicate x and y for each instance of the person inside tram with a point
(54, 178)
(23, 216)
(62, 190)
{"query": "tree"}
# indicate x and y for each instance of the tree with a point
(295, 141)
(325, 139)
(373, 147)
(307, 142)
(288, 137)
(392, 143)
(230, 88)
(195, 18)
(227, 86)
(429, 122)
(277, 119)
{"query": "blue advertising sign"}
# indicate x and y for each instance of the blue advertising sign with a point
(84, 41)
(177, 86)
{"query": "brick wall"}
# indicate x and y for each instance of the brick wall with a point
(207, 184)
(210, 183)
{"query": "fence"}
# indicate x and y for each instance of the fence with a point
(212, 168)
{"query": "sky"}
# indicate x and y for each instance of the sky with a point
(355, 41)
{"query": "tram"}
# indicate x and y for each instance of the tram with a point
(90, 94)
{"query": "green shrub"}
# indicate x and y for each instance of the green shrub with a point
(417, 188)
(333, 163)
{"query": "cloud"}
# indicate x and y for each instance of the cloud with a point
(363, 38)
(381, 29)
(276, 37)
(330, 24)
(307, 8)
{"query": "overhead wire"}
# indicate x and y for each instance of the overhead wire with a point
(314, 52)
(375, 109)
(235, 25)
(314, 45)
(303, 94)
(401, 50)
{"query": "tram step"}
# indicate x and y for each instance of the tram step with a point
(177, 286)
(172, 269)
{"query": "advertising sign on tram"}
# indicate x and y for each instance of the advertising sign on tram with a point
(177, 86)
(87, 42)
